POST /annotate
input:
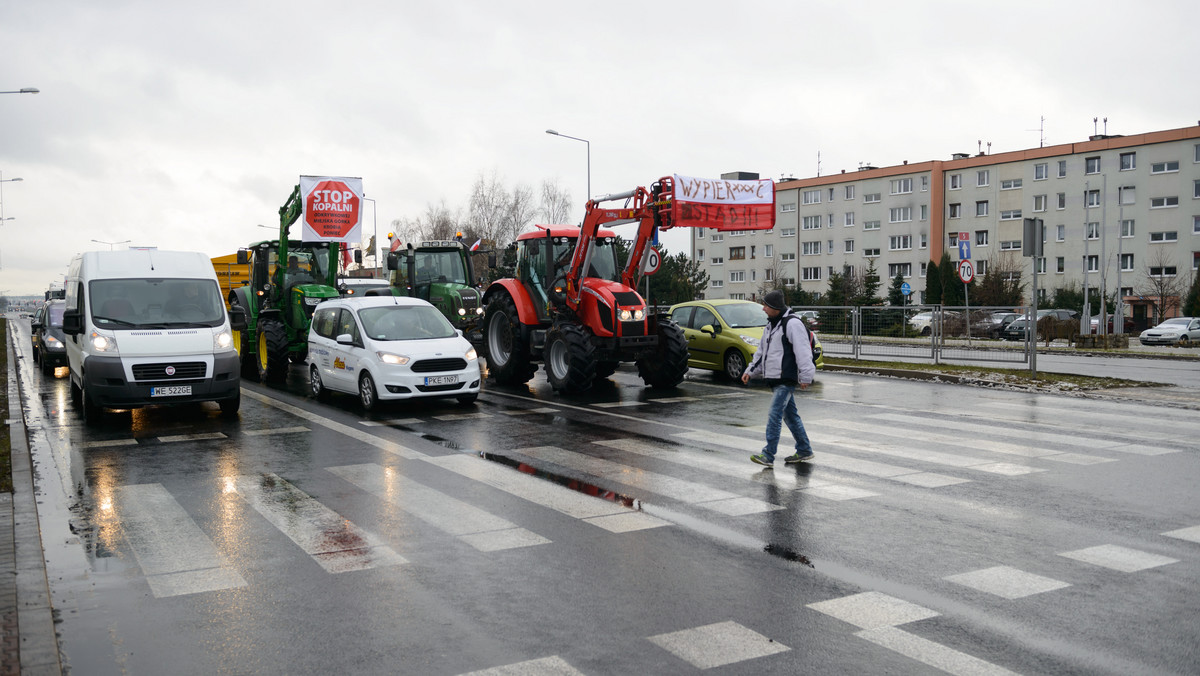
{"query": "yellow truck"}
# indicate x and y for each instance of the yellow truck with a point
(230, 274)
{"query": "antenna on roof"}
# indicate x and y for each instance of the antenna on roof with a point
(1041, 131)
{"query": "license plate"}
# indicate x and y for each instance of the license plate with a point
(172, 391)
(441, 380)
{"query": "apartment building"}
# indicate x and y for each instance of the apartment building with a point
(1117, 211)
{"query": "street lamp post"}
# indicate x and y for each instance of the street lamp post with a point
(111, 244)
(589, 157)
(2, 182)
(23, 90)
(375, 235)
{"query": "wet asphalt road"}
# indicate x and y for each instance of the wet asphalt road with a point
(941, 528)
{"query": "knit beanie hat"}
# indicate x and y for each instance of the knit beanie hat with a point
(774, 300)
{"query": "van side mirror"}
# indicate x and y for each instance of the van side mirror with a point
(72, 322)
(345, 339)
(237, 318)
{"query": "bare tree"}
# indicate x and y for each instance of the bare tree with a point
(1162, 289)
(519, 212)
(405, 229)
(487, 207)
(556, 203)
(1002, 285)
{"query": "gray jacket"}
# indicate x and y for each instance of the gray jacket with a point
(769, 361)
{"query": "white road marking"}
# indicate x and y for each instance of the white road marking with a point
(615, 404)
(546, 666)
(482, 530)
(111, 443)
(367, 438)
(1119, 558)
(933, 654)
(388, 423)
(547, 494)
(1006, 582)
(1191, 534)
(192, 437)
(275, 430)
(335, 543)
(529, 411)
(872, 610)
(454, 417)
(716, 645)
(173, 552)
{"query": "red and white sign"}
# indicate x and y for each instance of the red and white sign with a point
(723, 204)
(966, 271)
(964, 236)
(651, 261)
(332, 208)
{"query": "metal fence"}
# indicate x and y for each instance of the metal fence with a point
(921, 332)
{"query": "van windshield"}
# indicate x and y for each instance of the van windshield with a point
(156, 303)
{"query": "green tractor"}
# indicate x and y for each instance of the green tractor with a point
(440, 272)
(288, 278)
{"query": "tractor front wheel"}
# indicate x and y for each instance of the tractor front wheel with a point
(508, 354)
(670, 361)
(272, 351)
(570, 359)
(243, 342)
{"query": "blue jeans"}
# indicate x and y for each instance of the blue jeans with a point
(783, 409)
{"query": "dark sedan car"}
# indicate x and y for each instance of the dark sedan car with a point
(45, 327)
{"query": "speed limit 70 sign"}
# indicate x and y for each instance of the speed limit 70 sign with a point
(966, 271)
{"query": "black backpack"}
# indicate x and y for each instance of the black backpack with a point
(812, 341)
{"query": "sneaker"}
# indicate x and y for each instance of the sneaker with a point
(762, 460)
(797, 458)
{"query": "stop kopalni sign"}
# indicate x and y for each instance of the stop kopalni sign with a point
(332, 208)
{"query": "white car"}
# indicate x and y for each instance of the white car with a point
(1177, 331)
(386, 348)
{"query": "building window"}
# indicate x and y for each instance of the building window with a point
(787, 208)
(737, 296)
(1062, 168)
(1062, 200)
(900, 215)
(1039, 202)
(812, 196)
(769, 275)
(810, 274)
(737, 253)
(1093, 263)
(737, 276)
(1010, 245)
(829, 220)
(829, 247)
(980, 268)
(899, 242)
(1172, 236)
(952, 240)
(768, 250)
(1126, 262)
(716, 283)
(1127, 227)
(981, 208)
(787, 232)
(787, 256)
(902, 269)
(849, 192)
(1060, 265)
(870, 225)
(1010, 184)
(924, 184)
(811, 223)
(871, 198)
(1092, 165)
(1195, 189)
(1164, 167)
(849, 246)
(981, 238)
(955, 181)
(1196, 153)
(1128, 161)
(956, 211)
(1163, 202)
(924, 240)
(718, 237)
(699, 233)
(787, 281)
(848, 219)
(1168, 271)
(1126, 195)
(718, 260)
(1060, 233)
(901, 186)
(871, 253)
(1196, 225)
(983, 177)
(831, 194)
(1040, 264)
(924, 268)
(752, 251)
(810, 248)
(1092, 230)
(924, 212)
(1092, 198)
(700, 254)
(1010, 215)
(1041, 171)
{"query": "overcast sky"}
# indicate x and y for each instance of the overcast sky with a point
(183, 125)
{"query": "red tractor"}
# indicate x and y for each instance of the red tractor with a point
(571, 306)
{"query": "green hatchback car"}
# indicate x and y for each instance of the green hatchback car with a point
(723, 335)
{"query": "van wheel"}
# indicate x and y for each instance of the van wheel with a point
(229, 407)
(272, 351)
(47, 366)
(88, 408)
(75, 391)
(466, 399)
(367, 394)
(315, 385)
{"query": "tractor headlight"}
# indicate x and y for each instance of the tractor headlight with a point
(462, 312)
(639, 314)
(222, 340)
(103, 343)
(312, 302)
(390, 358)
(479, 311)
(625, 315)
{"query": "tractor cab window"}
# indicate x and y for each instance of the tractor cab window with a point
(440, 266)
(303, 266)
(604, 257)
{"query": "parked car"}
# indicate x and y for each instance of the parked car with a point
(359, 286)
(990, 325)
(811, 317)
(386, 348)
(49, 348)
(1180, 331)
(922, 322)
(1128, 324)
(1018, 328)
(723, 335)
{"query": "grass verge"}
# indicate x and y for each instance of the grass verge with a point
(6, 484)
(988, 376)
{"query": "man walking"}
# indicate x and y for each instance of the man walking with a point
(784, 360)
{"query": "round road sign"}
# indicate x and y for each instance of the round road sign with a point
(966, 271)
(652, 260)
(906, 289)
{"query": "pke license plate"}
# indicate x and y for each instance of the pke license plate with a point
(441, 380)
(172, 391)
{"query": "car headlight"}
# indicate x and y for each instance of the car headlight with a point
(103, 343)
(389, 358)
(222, 340)
(751, 341)
(471, 355)
(52, 341)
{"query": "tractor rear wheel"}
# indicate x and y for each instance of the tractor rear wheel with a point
(508, 354)
(272, 351)
(670, 361)
(570, 359)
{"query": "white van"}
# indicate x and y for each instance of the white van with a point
(146, 327)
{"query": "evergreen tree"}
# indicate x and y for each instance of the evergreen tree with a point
(933, 284)
(1191, 306)
(868, 291)
(952, 286)
(895, 296)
